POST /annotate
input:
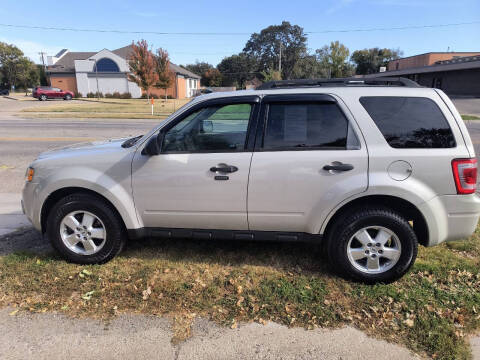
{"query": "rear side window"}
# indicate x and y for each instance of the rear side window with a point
(305, 125)
(409, 122)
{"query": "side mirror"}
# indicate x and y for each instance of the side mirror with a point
(154, 145)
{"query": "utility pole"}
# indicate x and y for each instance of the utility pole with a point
(280, 60)
(41, 53)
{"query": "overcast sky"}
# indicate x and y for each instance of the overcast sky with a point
(239, 16)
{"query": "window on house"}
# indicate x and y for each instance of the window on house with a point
(106, 65)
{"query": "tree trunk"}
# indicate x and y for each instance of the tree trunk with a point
(165, 94)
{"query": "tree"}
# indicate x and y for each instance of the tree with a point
(27, 74)
(271, 75)
(10, 62)
(42, 76)
(265, 47)
(369, 61)
(308, 67)
(237, 69)
(333, 60)
(200, 68)
(142, 66)
(162, 70)
(212, 77)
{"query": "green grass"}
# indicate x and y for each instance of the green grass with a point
(431, 310)
(470, 117)
(107, 108)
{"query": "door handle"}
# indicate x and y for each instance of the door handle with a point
(224, 168)
(338, 166)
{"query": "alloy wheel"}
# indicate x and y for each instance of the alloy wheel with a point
(374, 249)
(83, 232)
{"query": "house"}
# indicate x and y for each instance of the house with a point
(107, 72)
(454, 74)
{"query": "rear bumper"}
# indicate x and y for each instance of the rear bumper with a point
(451, 217)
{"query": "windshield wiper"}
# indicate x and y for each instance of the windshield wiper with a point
(130, 142)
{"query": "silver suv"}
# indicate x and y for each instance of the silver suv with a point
(367, 168)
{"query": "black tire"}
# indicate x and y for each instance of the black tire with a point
(67, 97)
(347, 226)
(43, 98)
(114, 227)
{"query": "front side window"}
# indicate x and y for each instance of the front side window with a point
(219, 128)
(305, 125)
(409, 122)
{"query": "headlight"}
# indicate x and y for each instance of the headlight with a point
(29, 174)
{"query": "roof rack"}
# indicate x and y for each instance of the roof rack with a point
(374, 81)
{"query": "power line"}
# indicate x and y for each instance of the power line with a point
(393, 28)
(231, 33)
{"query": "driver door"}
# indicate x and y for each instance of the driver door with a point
(199, 180)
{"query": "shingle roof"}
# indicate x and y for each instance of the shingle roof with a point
(182, 71)
(125, 52)
(67, 62)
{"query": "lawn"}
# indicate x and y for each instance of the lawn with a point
(107, 108)
(470, 117)
(431, 310)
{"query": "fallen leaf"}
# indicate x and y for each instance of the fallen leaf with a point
(88, 295)
(409, 322)
(13, 313)
(146, 293)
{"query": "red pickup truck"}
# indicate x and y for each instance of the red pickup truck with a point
(43, 93)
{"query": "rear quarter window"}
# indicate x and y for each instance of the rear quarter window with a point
(409, 122)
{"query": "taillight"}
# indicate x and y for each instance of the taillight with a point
(465, 175)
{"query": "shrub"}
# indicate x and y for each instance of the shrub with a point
(90, 95)
(109, 96)
(144, 96)
(125, 96)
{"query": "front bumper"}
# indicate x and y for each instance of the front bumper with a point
(451, 217)
(31, 205)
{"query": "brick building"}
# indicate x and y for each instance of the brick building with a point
(426, 59)
(457, 74)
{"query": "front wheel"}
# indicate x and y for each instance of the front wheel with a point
(68, 97)
(43, 98)
(372, 245)
(85, 229)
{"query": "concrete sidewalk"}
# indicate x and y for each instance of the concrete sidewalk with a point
(11, 215)
(53, 336)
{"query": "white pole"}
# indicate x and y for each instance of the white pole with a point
(152, 109)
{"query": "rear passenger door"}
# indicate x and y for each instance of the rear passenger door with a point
(308, 158)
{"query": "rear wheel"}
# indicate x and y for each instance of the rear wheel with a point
(372, 245)
(85, 229)
(43, 97)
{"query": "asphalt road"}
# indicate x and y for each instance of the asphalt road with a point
(21, 140)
